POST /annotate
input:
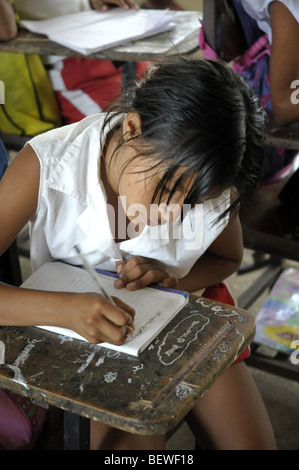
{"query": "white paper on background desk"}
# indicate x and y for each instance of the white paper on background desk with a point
(94, 31)
(154, 306)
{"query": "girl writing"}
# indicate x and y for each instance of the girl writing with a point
(190, 135)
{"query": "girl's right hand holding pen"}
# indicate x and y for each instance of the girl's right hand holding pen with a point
(97, 320)
(88, 314)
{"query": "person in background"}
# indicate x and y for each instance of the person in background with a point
(8, 25)
(280, 20)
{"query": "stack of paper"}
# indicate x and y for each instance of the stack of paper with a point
(93, 31)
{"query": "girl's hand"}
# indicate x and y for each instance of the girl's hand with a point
(105, 4)
(95, 318)
(139, 272)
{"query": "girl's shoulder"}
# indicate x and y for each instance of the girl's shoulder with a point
(70, 132)
(51, 146)
(259, 9)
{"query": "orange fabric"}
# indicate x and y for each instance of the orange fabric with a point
(220, 293)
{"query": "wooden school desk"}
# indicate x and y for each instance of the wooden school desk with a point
(148, 394)
(183, 39)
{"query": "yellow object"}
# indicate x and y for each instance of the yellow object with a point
(30, 105)
(282, 334)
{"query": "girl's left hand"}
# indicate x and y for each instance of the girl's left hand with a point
(105, 4)
(139, 272)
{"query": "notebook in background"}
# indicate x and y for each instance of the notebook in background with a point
(93, 31)
(155, 306)
(277, 323)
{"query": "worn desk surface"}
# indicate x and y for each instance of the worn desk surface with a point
(282, 136)
(145, 395)
(159, 48)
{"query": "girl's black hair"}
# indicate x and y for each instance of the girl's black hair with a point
(201, 115)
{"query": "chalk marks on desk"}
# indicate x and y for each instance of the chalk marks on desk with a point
(65, 338)
(219, 310)
(25, 353)
(90, 355)
(183, 390)
(169, 347)
(100, 361)
(110, 377)
(173, 346)
(18, 377)
(100, 358)
(175, 343)
(221, 351)
(137, 368)
(2, 353)
(20, 361)
(86, 362)
(95, 364)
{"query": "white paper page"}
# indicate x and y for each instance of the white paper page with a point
(111, 32)
(64, 22)
(73, 20)
(92, 31)
(81, 19)
(154, 308)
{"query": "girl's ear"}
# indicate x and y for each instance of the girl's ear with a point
(132, 125)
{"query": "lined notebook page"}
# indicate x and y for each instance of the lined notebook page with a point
(154, 307)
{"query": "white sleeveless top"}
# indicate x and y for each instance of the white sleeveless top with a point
(259, 10)
(72, 209)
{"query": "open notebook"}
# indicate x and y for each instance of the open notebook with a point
(277, 323)
(93, 31)
(154, 306)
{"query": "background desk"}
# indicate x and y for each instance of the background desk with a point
(160, 48)
(146, 395)
(282, 136)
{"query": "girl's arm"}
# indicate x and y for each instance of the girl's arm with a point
(88, 314)
(284, 63)
(8, 24)
(222, 259)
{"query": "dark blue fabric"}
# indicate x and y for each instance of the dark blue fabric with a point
(3, 159)
(249, 25)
